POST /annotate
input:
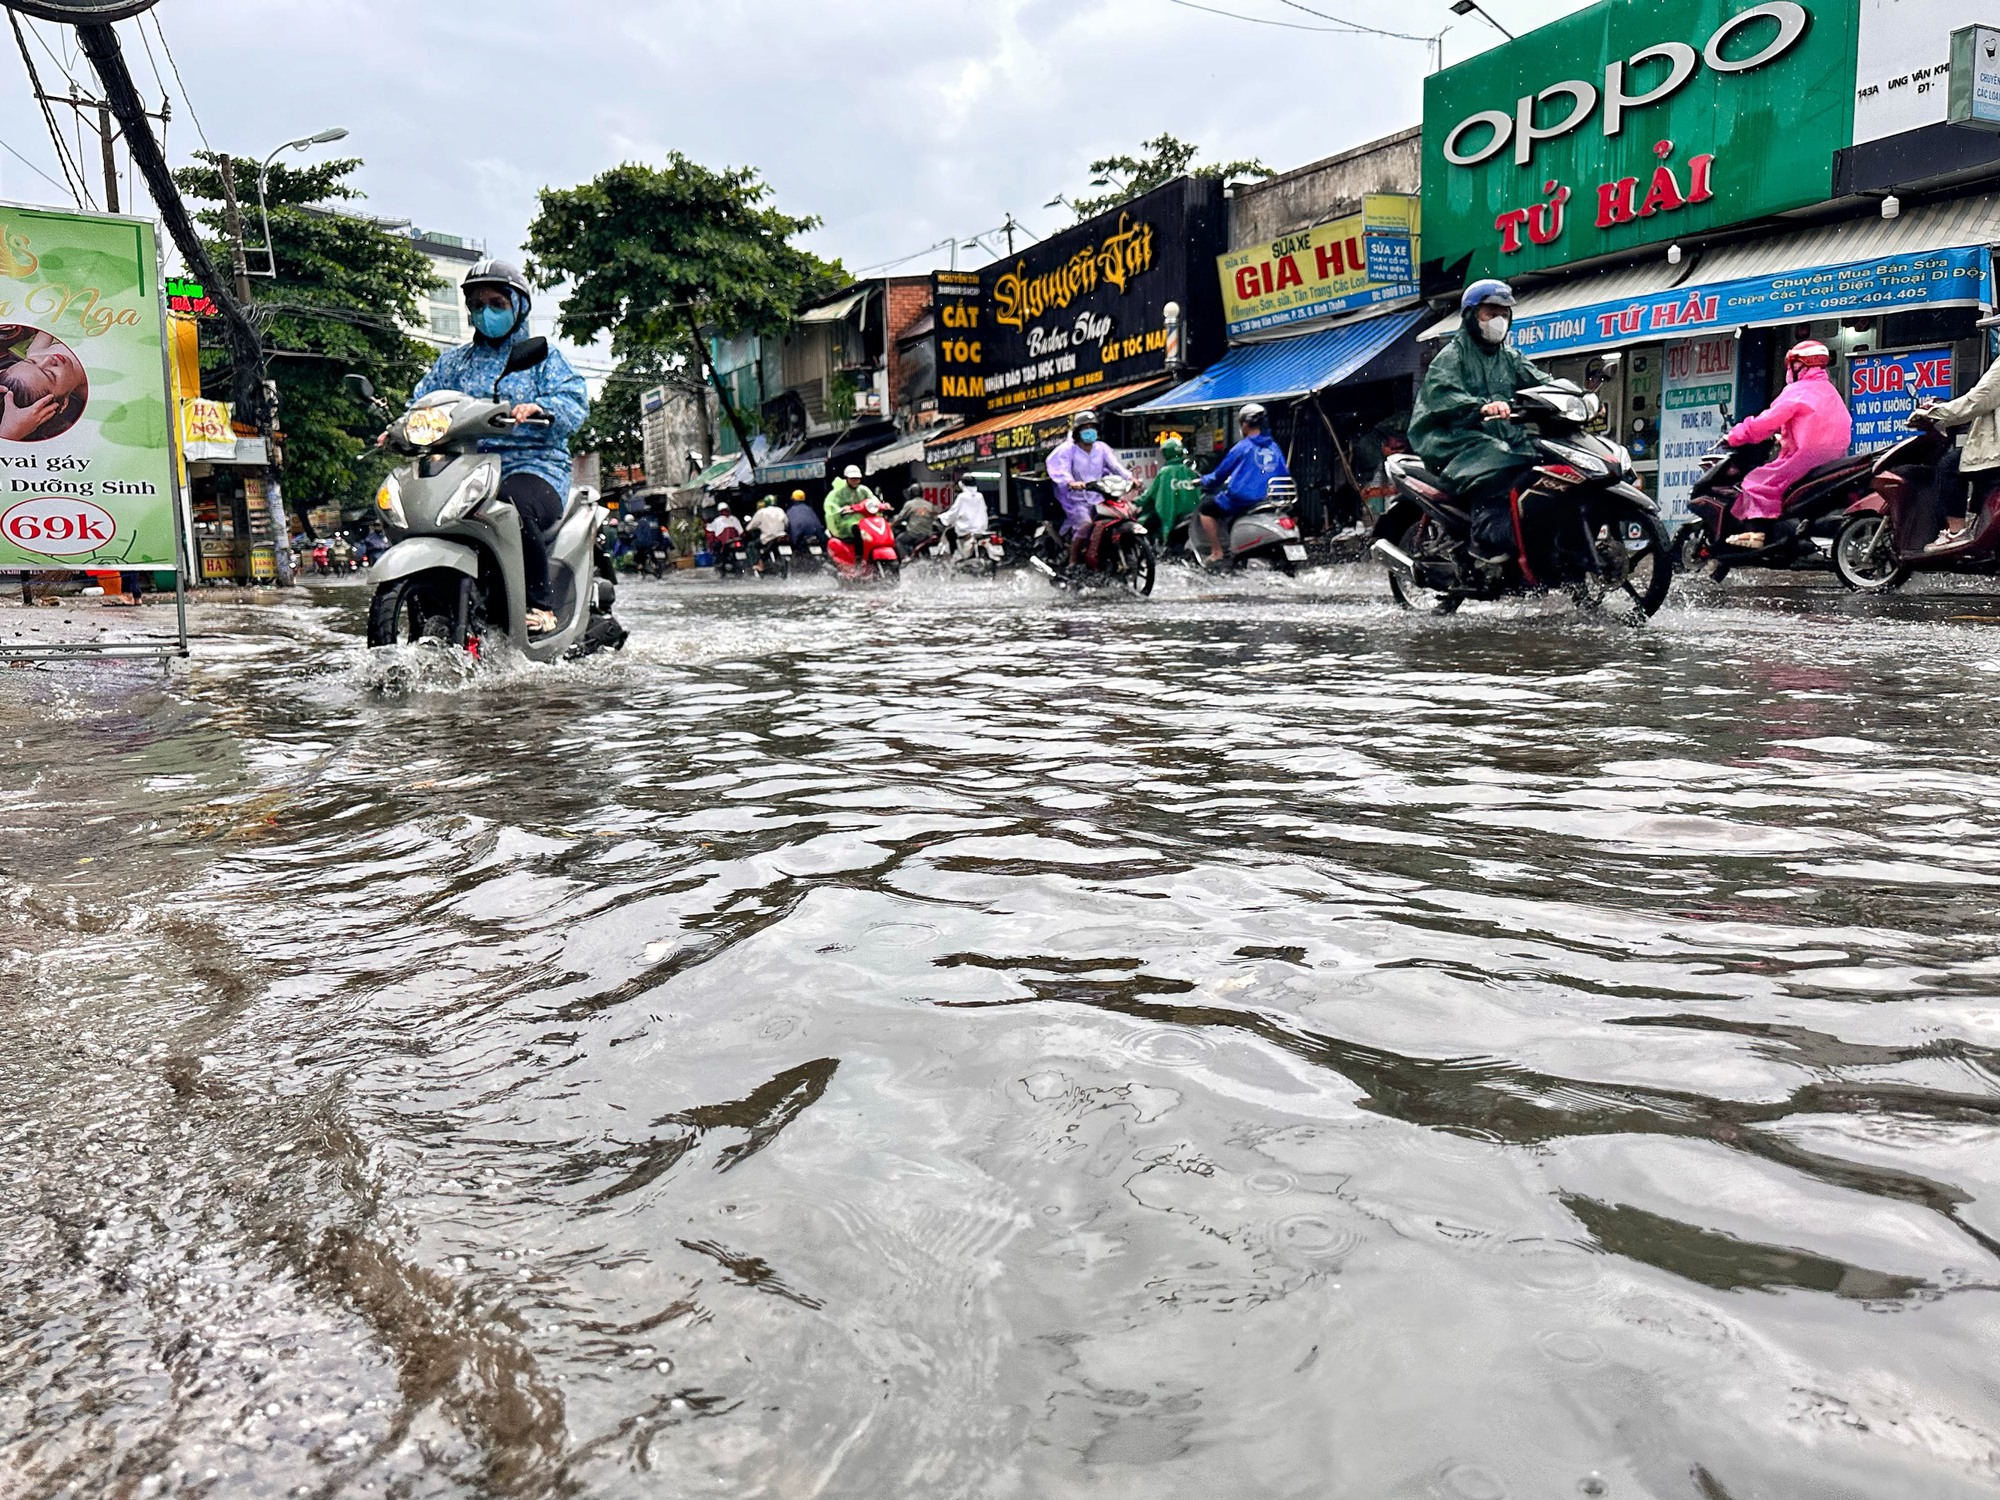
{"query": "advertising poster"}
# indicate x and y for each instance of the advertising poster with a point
(1697, 400)
(1357, 261)
(1883, 389)
(86, 446)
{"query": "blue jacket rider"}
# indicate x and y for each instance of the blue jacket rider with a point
(534, 460)
(1242, 479)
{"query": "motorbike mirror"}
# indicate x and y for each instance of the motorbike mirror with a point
(1600, 369)
(526, 355)
(363, 386)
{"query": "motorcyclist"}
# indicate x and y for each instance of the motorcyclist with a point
(1813, 427)
(1242, 479)
(916, 521)
(534, 460)
(1174, 493)
(1978, 462)
(847, 490)
(1073, 467)
(803, 525)
(1460, 428)
(965, 518)
(767, 526)
(724, 530)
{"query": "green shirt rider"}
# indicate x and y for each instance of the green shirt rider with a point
(1174, 492)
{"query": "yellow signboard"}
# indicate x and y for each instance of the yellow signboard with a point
(1357, 261)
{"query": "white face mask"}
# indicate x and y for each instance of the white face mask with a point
(1494, 330)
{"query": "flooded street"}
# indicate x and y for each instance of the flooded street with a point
(966, 1042)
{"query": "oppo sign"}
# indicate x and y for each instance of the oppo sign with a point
(1681, 61)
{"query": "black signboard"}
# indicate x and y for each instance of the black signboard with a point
(1085, 309)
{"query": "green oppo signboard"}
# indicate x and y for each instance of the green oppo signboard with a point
(1634, 122)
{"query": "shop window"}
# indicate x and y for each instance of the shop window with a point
(1928, 325)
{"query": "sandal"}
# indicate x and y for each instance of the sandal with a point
(1749, 541)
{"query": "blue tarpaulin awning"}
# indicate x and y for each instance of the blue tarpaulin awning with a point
(1284, 369)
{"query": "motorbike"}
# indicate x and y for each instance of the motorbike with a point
(1596, 535)
(777, 557)
(322, 556)
(1883, 538)
(454, 572)
(969, 556)
(1800, 536)
(1265, 532)
(872, 555)
(726, 551)
(1115, 551)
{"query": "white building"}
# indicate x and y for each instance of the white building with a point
(442, 323)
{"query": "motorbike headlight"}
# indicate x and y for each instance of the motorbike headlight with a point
(472, 489)
(426, 425)
(389, 500)
(1588, 463)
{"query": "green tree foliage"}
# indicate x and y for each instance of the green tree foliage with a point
(612, 430)
(653, 254)
(1167, 157)
(344, 286)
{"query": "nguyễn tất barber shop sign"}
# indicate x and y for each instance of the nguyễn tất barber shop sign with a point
(1084, 309)
(1631, 123)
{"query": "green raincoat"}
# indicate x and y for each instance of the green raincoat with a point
(841, 495)
(1175, 492)
(1457, 444)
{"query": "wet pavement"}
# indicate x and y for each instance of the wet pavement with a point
(963, 1042)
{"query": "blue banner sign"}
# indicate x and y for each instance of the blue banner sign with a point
(1930, 278)
(1883, 389)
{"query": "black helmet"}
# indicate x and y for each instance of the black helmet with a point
(1081, 420)
(490, 272)
(1250, 414)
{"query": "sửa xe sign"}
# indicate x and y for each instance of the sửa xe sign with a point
(1631, 123)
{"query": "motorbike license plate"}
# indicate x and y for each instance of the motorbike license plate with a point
(1294, 552)
(818, 551)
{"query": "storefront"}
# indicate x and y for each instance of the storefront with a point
(1626, 168)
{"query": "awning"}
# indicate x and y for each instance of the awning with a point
(1931, 256)
(826, 454)
(835, 311)
(1285, 369)
(909, 451)
(710, 474)
(1023, 431)
(808, 462)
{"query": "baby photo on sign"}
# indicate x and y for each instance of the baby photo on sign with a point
(43, 389)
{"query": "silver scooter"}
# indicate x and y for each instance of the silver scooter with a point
(455, 573)
(1267, 530)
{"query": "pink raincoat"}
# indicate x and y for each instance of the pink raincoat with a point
(1813, 427)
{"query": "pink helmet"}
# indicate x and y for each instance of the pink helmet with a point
(1810, 353)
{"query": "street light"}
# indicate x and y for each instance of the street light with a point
(338, 132)
(1473, 7)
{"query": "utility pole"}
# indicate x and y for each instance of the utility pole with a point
(104, 139)
(233, 220)
(107, 132)
(1010, 226)
(265, 412)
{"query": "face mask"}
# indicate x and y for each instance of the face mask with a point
(1087, 436)
(493, 322)
(1494, 330)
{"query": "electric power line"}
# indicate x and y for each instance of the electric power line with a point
(70, 172)
(1354, 25)
(32, 167)
(1345, 28)
(186, 97)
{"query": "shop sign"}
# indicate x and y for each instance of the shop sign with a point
(1883, 389)
(206, 435)
(1357, 261)
(1975, 78)
(83, 340)
(189, 298)
(1082, 309)
(1903, 62)
(1697, 400)
(1935, 278)
(1631, 123)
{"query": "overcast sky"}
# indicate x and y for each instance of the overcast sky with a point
(898, 122)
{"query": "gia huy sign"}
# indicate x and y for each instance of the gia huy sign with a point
(1357, 261)
(1631, 123)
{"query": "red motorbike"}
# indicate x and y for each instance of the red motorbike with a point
(1888, 533)
(871, 556)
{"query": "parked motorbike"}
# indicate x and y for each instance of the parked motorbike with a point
(454, 573)
(1115, 551)
(871, 557)
(1884, 535)
(1267, 532)
(1591, 530)
(1800, 536)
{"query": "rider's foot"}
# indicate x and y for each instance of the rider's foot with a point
(541, 621)
(1948, 538)
(1750, 541)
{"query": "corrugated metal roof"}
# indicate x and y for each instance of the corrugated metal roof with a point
(1933, 226)
(1282, 369)
(833, 312)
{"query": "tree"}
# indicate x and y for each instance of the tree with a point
(612, 429)
(344, 287)
(1129, 177)
(654, 255)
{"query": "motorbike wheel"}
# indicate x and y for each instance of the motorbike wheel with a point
(408, 610)
(1864, 556)
(1691, 557)
(1406, 591)
(1634, 581)
(1136, 566)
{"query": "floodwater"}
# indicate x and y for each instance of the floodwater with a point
(970, 1043)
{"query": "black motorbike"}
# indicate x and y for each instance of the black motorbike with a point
(1801, 535)
(1581, 525)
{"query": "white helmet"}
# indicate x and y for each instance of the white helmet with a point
(851, 473)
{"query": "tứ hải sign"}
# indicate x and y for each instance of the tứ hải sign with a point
(86, 438)
(1356, 261)
(1632, 123)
